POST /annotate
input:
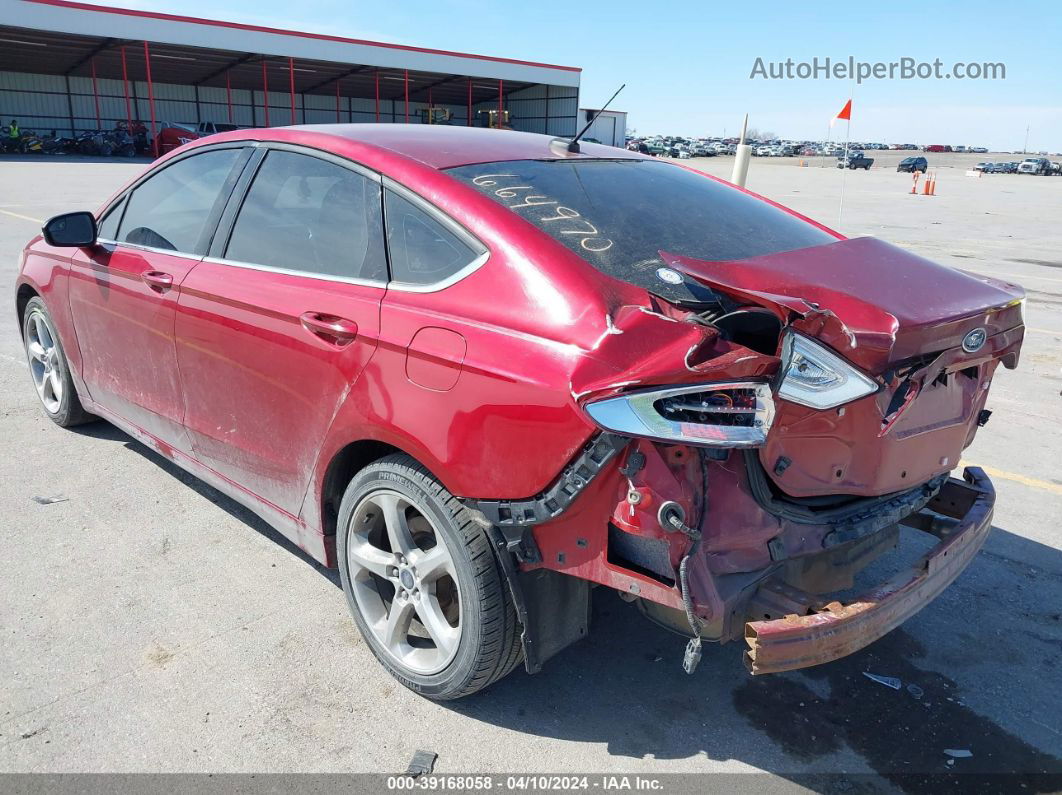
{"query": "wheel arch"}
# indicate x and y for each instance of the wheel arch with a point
(347, 462)
(22, 297)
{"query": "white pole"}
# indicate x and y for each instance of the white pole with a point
(829, 134)
(844, 171)
(741, 158)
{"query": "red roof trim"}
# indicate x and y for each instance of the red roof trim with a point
(131, 12)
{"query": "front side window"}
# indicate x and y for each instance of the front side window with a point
(619, 214)
(313, 216)
(107, 226)
(423, 250)
(170, 209)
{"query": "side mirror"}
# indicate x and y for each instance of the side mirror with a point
(75, 230)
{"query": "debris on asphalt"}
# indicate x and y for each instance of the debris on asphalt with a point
(423, 763)
(50, 500)
(958, 753)
(888, 681)
(915, 690)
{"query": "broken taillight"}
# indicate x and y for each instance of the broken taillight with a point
(711, 415)
(814, 376)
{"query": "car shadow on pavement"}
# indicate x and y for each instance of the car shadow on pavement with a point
(104, 430)
(624, 686)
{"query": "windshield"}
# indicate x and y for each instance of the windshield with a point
(619, 214)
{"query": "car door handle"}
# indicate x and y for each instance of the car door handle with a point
(162, 281)
(337, 330)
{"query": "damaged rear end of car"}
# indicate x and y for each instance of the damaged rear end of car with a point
(778, 407)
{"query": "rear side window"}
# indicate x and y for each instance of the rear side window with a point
(170, 209)
(306, 214)
(423, 250)
(619, 214)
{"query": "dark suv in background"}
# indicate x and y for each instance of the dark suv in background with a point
(912, 164)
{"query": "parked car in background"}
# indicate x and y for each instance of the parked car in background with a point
(937, 148)
(341, 327)
(173, 134)
(855, 160)
(912, 164)
(1035, 165)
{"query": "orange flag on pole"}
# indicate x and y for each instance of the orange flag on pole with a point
(846, 112)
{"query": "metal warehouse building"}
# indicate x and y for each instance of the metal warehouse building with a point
(68, 66)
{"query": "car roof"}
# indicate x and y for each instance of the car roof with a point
(443, 146)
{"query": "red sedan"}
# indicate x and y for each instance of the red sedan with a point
(480, 371)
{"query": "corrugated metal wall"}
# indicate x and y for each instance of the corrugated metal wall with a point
(43, 103)
(552, 110)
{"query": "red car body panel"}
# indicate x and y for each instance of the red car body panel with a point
(261, 389)
(228, 371)
(891, 304)
(110, 302)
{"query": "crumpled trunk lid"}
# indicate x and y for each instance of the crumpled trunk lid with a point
(872, 302)
(901, 318)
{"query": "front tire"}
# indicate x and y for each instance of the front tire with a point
(49, 368)
(422, 582)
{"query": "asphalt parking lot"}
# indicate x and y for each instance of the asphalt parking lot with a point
(150, 624)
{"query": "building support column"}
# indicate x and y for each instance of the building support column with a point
(291, 87)
(265, 92)
(151, 99)
(125, 89)
(228, 94)
(70, 107)
(547, 110)
(96, 94)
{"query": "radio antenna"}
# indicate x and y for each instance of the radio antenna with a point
(573, 145)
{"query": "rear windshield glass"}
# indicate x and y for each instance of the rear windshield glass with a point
(619, 214)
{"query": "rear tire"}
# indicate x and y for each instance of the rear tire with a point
(409, 549)
(49, 368)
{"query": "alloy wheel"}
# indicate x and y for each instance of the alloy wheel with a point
(45, 361)
(404, 581)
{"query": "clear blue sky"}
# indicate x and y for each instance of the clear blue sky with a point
(687, 65)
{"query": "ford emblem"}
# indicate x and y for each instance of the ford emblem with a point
(975, 340)
(669, 276)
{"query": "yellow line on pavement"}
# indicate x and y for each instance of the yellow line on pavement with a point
(23, 217)
(1035, 483)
